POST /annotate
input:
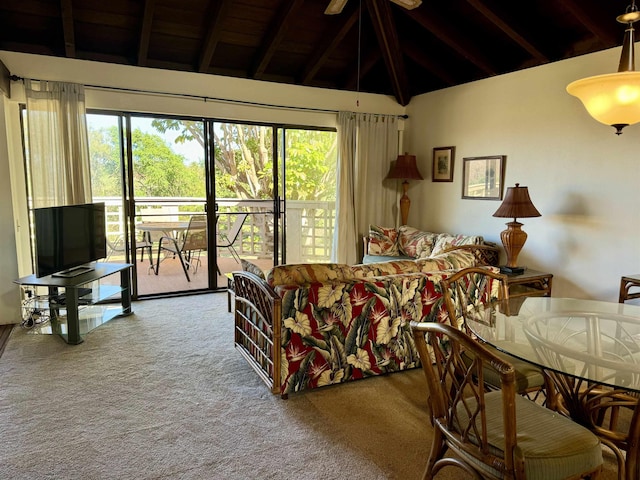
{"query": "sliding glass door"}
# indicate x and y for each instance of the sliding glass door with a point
(273, 208)
(168, 202)
(266, 191)
(246, 198)
(151, 173)
(308, 166)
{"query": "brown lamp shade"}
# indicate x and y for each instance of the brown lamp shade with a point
(405, 168)
(517, 204)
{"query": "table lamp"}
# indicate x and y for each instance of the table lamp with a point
(405, 168)
(516, 203)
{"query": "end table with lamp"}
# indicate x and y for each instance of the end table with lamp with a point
(522, 282)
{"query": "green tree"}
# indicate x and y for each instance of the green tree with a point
(244, 159)
(158, 170)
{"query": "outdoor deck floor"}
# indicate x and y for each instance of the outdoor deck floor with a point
(171, 278)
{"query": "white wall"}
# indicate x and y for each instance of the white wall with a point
(582, 177)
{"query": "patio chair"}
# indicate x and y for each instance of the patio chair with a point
(142, 244)
(188, 247)
(494, 433)
(227, 238)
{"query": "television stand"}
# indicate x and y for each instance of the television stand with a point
(83, 309)
(73, 272)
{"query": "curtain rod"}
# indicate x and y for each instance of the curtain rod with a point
(16, 78)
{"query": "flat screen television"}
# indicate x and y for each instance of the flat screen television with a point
(69, 238)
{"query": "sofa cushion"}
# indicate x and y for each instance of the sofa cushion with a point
(384, 258)
(248, 266)
(383, 241)
(446, 241)
(307, 273)
(415, 243)
(385, 268)
(453, 260)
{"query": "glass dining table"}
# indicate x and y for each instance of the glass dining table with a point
(591, 352)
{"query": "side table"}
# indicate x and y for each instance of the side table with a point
(531, 283)
(626, 283)
(82, 312)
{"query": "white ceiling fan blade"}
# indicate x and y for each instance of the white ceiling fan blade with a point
(335, 7)
(408, 4)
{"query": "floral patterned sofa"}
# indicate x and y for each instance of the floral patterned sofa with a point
(312, 325)
(408, 243)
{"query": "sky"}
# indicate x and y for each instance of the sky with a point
(192, 151)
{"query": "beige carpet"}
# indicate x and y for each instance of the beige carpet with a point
(162, 394)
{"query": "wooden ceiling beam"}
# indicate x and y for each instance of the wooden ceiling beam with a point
(418, 56)
(274, 36)
(330, 43)
(594, 27)
(66, 10)
(351, 83)
(480, 6)
(387, 35)
(218, 13)
(437, 26)
(145, 32)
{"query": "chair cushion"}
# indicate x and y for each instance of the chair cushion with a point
(528, 376)
(552, 446)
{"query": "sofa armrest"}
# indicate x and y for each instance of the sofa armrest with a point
(258, 326)
(486, 254)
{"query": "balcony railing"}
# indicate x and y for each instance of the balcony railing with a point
(309, 231)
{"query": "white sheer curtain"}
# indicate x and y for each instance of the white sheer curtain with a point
(57, 143)
(367, 145)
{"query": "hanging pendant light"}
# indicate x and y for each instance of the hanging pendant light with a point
(614, 99)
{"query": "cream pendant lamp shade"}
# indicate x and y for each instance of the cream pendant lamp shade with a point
(614, 99)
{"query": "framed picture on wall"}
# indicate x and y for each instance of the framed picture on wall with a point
(443, 160)
(482, 177)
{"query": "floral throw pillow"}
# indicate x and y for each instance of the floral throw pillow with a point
(248, 266)
(383, 241)
(446, 241)
(415, 243)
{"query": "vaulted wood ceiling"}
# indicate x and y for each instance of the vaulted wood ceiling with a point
(372, 46)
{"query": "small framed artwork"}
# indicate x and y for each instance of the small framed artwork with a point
(482, 177)
(443, 160)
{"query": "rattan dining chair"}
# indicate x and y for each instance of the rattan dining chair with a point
(612, 413)
(188, 247)
(494, 434)
(466, 293)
